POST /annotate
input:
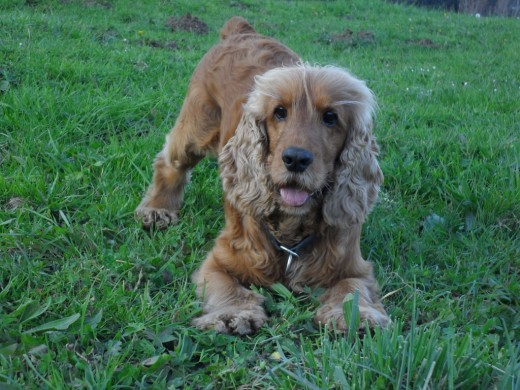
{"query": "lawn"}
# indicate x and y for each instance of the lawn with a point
(89, 89)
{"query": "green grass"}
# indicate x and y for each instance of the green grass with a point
(89, 300)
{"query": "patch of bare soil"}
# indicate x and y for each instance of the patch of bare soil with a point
(365, 37)
(97, 3)
(188, 23)
(239, 5)
(169, 45)
(425, 43)
(352, 38)
(15, 203)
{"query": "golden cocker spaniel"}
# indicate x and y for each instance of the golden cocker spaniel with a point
(299, 170)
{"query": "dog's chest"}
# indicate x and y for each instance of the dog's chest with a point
(295, 240)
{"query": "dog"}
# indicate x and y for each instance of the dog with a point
(298, 164)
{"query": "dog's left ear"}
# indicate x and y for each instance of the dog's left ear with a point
(357, 174)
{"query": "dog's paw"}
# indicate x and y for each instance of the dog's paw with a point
(156, 218)
(373, 317)
(333, 317)
(233, 320)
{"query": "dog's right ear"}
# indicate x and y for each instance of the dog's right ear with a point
(242, 168)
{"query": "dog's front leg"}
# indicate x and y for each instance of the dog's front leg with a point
(183, 149)
(228, 307)
(160, 206)
(371, 310)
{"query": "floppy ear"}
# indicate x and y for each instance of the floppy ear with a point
(242, 169)
(357, 176)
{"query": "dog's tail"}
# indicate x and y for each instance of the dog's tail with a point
(236, 25)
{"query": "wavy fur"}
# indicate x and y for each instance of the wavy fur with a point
(243, 173)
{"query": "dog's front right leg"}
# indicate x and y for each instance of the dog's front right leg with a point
(163, 200)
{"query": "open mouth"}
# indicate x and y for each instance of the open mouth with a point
(294, 197)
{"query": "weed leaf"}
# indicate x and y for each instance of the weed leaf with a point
(339, 377)
(61, 324)
(94, 320)
(351, 312)
(155, 362)
(34, 310)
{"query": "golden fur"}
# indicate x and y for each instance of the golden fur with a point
(250, 100)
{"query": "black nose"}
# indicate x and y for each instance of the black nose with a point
(297, 159)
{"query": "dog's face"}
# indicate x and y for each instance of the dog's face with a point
(305, 136)
(304, 141)
(307, 115)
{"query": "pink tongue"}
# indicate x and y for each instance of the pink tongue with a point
(294, 197)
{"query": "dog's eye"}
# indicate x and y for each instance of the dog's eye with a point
(330, 118)
(280, 113)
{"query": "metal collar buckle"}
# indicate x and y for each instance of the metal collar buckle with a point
(289, 259)
(295, 250)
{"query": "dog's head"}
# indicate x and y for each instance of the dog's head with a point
(304, 141)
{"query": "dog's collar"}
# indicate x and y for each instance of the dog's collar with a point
(295, 250)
